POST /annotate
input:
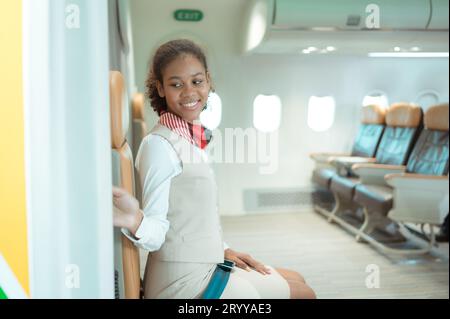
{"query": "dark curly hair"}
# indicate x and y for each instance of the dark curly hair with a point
(165, 54)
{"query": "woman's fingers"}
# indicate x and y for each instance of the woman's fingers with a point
(246, 262)
(117, 191)
(263, 269)
(127, 203)
(240, 263)
(259, 267)
(118, 217)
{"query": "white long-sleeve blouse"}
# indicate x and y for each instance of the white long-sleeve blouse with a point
(156, 163)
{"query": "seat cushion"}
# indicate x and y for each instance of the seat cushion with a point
(344, 186)
(374, 197)
(367, 140)
(396, 145)
(430, 154)
(322, 176)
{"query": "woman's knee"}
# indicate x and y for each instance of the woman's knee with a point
(300, 290)
(290, 275)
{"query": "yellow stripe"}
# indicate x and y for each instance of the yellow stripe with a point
(13, 226)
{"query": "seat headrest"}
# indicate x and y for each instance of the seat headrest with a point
(373, 114)
(404, 115)
(436, 117)
(138, 104)
(118, 101)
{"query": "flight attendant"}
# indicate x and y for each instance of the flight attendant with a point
(179, 223)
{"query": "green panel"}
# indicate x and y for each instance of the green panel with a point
(188, 15)
(2, 294)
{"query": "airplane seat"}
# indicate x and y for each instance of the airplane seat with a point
(415, 194)
(403, 125)
(126, 254)
(139, 132)
(433, 142)
(365, 144)
(403, 122)
(373, 121)
(139, 125)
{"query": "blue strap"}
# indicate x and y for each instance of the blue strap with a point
(217, 283)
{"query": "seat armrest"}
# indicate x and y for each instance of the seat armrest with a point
(418, 198)
(321, 160)
(415, 180)
(323, 157)
(345, 163)
(371, 173)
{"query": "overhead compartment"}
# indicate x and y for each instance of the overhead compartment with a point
(349, 26)
(350, 14)
(439, 15)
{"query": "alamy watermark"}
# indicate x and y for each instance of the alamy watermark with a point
(72, 16)
(239, 146)
(72, 276)
(373, 17)
(373, 279)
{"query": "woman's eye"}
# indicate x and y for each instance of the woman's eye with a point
(198, 82)
(176, 85)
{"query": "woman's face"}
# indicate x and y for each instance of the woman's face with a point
(185, 87)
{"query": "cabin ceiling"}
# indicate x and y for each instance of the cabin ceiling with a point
(286, 35)
(349, 26)
(352, 42)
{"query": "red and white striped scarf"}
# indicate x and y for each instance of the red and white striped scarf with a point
(195, 133)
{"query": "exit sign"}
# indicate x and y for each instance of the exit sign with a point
(188, 15)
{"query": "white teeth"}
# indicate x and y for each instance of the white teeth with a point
(192, 104)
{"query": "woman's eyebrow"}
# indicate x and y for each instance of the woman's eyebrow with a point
(179, 78)
(196, 74)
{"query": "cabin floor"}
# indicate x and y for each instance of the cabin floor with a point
(332, 262)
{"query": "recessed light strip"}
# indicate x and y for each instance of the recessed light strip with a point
(312, 49)
(408, 54)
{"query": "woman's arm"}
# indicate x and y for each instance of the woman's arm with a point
(126, 210)
(156, 163)
(246, 262)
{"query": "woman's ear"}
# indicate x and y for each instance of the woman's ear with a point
(208, 79)
(160, 89)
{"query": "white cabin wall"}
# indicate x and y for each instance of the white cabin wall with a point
(238, 79)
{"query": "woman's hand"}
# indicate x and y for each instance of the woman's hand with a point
(246, 262)
(127, 213)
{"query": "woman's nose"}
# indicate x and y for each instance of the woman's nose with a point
(187, 90)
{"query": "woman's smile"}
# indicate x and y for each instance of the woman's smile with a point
(192, 105)
(185, 87)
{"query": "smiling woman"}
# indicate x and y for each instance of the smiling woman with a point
(185, 87)
(180, 224)
(96, 203)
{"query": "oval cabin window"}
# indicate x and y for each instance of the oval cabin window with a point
(321, 113)
(267, 113)
(212, 116)
(376, 97)
(427, 98)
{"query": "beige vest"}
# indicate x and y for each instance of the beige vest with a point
(195, 234)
